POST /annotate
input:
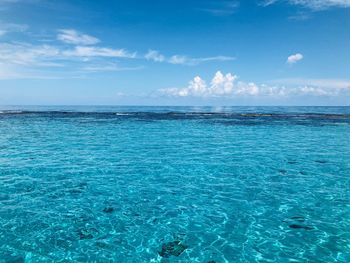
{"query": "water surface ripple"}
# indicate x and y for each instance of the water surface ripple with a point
(140, 184)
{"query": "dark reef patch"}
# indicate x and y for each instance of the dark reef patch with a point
(296, 226)
(282, 171)
(174, 248)
(108, 209)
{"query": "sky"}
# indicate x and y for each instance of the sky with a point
(230, 52)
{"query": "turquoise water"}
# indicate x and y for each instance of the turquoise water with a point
(143, 184)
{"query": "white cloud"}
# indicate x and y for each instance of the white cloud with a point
(300, 16)
(184, 60)
(23, 60)
(177, 59)
(8, 27)
(223, 8)
(220, 85)
(228, 86)
(108, 67)
(321, 4)
(292, 59)
(268, 2)
(71, 36)
(25, 54)
(315, 5)
(81, 51)
(155, 56)
(321, 83)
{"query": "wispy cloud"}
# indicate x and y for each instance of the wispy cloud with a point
(21, 59)
(221, 8)
(155, 56)
(177, 59)
(6, 4)
(321, 83)
(292, 59)
(268, 2)
(228, 86)
(108, 67)
(315, 5)
(10, 27)
(300, 16)
(26, 54)
(81, 51)
(71, 36)
(184, 60)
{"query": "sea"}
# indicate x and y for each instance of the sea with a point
(174, 184)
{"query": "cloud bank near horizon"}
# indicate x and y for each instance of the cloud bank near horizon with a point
(229, 86)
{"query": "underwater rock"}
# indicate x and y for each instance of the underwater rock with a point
(212, 261)
(296, 226)
(298, 222)
(75, 191)
(303, 173)
(174, 248)
(282, 171)
(108, 209)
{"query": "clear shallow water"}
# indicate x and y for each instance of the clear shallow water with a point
(230, 184)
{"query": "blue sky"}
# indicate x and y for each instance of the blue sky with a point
(252, 52)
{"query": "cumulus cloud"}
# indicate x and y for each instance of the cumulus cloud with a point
(292, 59)
(315, 5)
(228, 86)
(155, 56)
(71, 36)
(220, 85)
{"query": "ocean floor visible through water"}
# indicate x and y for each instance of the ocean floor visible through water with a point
(174, 184)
